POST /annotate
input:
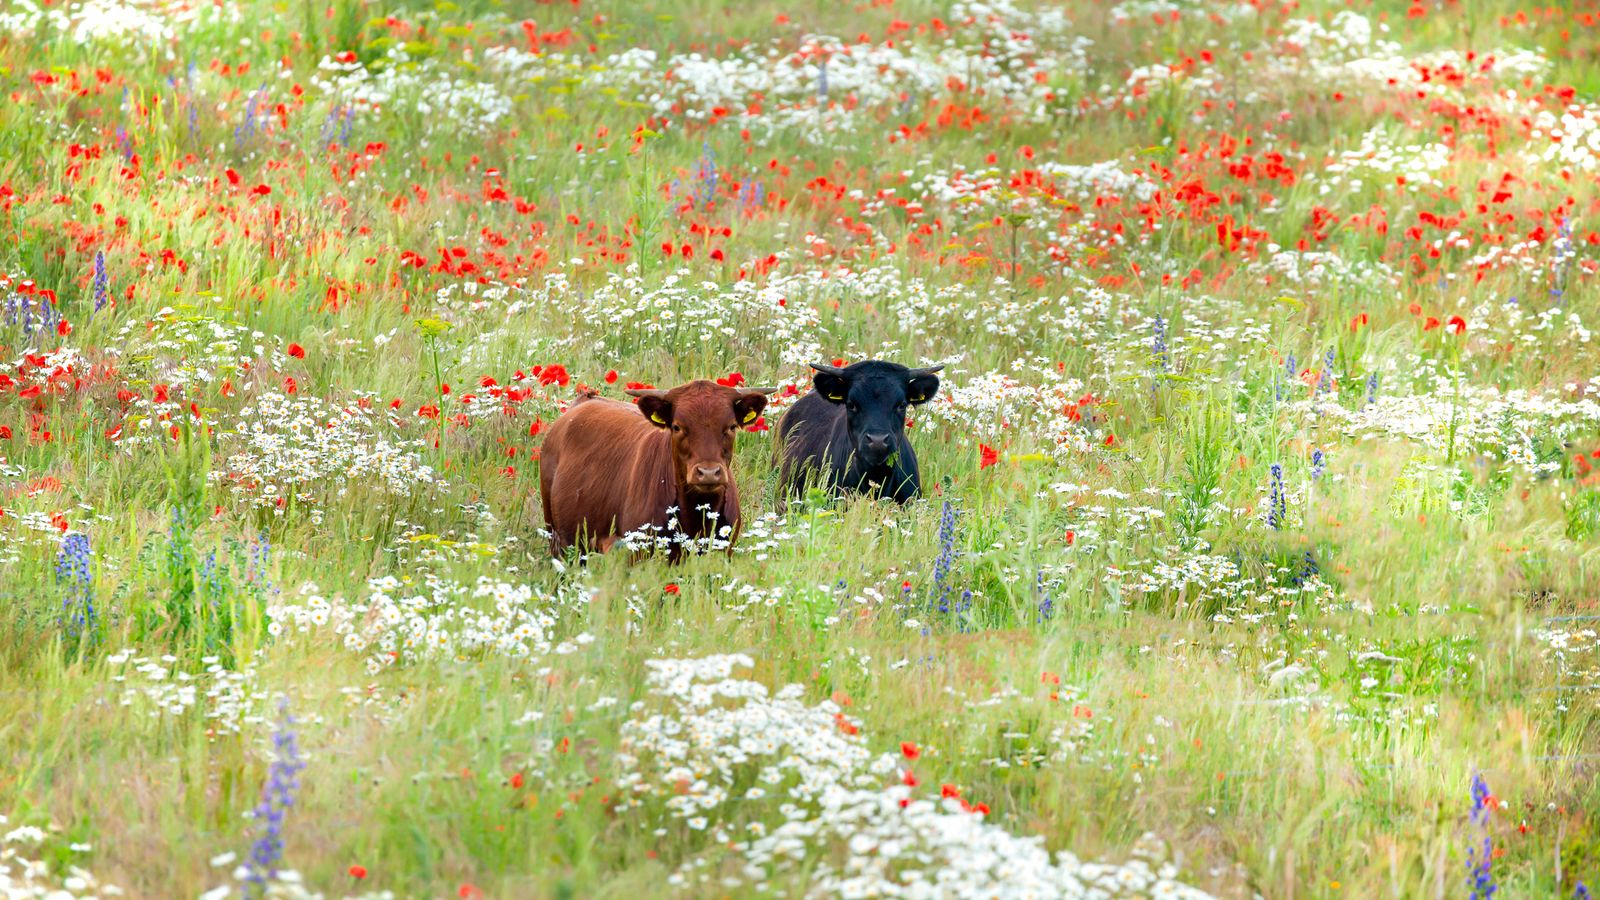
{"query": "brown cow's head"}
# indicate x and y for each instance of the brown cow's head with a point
(703, 418)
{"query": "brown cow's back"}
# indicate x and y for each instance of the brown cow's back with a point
(603, 471)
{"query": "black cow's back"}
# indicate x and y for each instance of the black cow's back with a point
(812, 444)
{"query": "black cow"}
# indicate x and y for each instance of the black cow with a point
(849, 434)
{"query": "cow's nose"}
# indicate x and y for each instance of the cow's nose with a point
(878, 441)
(708, 474)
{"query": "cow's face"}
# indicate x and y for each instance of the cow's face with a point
(702, 418)
(875, 396)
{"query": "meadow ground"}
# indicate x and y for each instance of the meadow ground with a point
(1258, 555)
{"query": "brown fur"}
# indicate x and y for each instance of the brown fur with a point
(606, 469)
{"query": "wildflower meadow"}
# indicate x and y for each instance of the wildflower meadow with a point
(1257, 551)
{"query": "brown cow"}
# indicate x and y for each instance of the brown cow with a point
(610, 468)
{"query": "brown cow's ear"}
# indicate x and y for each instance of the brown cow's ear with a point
(748, 405)
(657, 409)
(832, 386)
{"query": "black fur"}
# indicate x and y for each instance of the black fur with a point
(849, 433)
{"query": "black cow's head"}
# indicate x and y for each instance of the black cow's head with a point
(875, 396)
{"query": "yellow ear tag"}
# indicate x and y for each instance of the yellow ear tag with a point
(750, 416)
(917, 399)
(835, 396)
(656, 418)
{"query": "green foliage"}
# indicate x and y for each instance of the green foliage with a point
(1583, 515)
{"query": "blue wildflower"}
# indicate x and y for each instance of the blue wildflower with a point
(277, 796)
(946, 557)
(102, 282)
(1277, 504)
(1480, 862)
(1159, 345)
(72, 569)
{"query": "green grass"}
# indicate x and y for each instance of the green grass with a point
(1294, 711)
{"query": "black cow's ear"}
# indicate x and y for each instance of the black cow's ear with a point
(748, 405)
(922, 385)
(657, 409)
(833, 388)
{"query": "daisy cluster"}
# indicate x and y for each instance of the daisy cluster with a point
(419, 87)
(306, 450)
(742, 320)
(826, 83)
(1383, 160)
(1349, 53)
(1036, 406)
(1574, 136)
(1574, 644)
(719, 753)
(194, 349)
(1209, 581)
(228, 700)
(135, 24)
(401, 623)
(24, 878)
(1518, 427)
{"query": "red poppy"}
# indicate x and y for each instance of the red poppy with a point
(611, 377)
(671, 589)
(1456, 325)
(909, 750)
(297, 351)
(358, 871)
(987, 456)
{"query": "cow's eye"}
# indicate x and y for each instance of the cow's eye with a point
(676, 428)
(852, 407)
